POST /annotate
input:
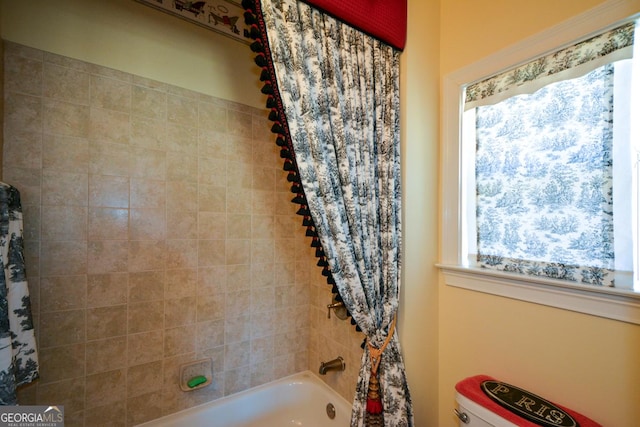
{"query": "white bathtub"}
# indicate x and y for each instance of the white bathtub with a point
(297, 400)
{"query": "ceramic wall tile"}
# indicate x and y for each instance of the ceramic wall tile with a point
(158, 230)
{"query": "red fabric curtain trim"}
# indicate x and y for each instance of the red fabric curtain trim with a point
(383, 19)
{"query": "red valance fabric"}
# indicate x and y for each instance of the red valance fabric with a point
(383, 19)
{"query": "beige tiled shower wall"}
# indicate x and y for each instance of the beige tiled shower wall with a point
(158, 230)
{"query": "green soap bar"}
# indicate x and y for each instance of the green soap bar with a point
(196, 381)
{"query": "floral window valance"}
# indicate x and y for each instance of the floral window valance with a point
(570, 62)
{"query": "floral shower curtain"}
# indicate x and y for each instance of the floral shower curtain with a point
(18, 353)
(334, 94)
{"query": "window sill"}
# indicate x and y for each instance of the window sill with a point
(610, 303)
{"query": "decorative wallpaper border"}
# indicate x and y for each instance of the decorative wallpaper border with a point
(225, 17)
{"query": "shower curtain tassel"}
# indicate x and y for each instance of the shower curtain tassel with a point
(247, 5)
(254, 32)
(273, 115)
(304, 211)
(322, 262)
(257, 46)
(315, 243)
(267, 89)
(374, 402)
(288, 166)
(299, 199)
(277, 128)
(285, 154)
(280, 141)
(326, 271)
(307, 221)
(295, 188)
(311, 232)
(260, 60)
(319, 252)
(250, 18)
(292, 177)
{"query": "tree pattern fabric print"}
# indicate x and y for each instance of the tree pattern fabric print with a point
(596, 49)
(340, 91)
(544, 181)
(18, 355)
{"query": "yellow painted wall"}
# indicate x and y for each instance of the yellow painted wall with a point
(419, 114)
(587, 363)
(135, 38)
(473, 29)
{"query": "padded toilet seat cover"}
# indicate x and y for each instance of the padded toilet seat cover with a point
(471, 388)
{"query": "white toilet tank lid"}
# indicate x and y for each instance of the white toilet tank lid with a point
(482, 412)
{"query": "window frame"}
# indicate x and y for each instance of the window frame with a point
(611, 303)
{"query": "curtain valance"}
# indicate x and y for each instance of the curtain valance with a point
(385, 20)
(570, 62)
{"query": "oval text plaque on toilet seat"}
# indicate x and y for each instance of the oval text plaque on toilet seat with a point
(528, 405)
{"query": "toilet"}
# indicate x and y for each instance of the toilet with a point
(486, 402)
(472, 414)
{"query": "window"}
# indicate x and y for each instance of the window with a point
(540, 212)
(547, 165)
